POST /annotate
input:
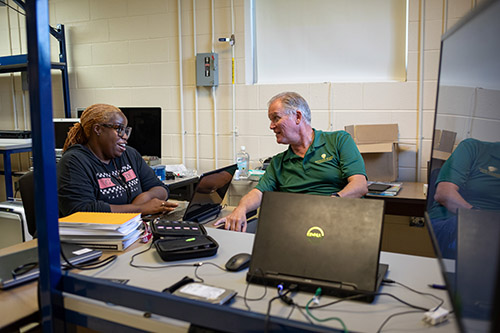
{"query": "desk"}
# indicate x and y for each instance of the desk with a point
(414, 271)
(410, 201)
(19, 305)
(8, 147)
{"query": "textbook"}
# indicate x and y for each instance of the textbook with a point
(99, 220)
(392, 189)
(84, 231)
(116, 244)
(106, 231)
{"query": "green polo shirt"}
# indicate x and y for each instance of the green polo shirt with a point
(330, 160)
(474, 167)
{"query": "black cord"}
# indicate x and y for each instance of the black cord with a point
(5, 3)
(290, 314)
(394, 315)
(203, 264)
(353, 297)
(286, 299)
(91, 265)
(156, 267)
(441, 301)
(267, 321)
(245, 299)
(304, 314)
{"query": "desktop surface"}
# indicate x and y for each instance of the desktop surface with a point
(416, 272)
(7, 144)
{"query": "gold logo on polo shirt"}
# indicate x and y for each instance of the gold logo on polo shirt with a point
(491, 171)
(323, 159)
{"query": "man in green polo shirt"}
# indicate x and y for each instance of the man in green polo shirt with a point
(316, 162)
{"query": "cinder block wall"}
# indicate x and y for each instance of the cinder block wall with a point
(127, 53)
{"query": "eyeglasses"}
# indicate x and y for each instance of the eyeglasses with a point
(120, 129)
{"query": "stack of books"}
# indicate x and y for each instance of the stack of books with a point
(384, 188)
(106, 231)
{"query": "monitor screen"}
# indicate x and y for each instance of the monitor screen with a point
(146, 129)
(464, 177)
(61, 128)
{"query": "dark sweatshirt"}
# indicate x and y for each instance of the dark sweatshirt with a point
(85, 184)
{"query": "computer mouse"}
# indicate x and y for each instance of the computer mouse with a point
(238, 262)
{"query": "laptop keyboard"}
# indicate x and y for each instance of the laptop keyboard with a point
(176, 215)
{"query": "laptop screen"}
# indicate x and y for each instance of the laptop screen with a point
(472, 275)
(465, 166)
(330, 241)
(209, 193)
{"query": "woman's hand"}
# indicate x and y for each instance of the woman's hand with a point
(155, 206)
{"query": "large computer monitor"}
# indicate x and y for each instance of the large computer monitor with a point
(146, 129)
(61, 128)
(464, 178)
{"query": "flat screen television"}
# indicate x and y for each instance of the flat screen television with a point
(146, 129)
(464, 178)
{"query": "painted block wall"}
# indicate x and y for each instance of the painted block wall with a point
(126, 53)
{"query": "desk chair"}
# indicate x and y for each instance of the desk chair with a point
(27, 190)
(431, 189)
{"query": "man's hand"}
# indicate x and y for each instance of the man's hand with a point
(236, 221)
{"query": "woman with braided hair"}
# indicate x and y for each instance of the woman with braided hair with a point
(98, 172)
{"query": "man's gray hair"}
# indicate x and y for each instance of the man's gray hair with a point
(292, 102)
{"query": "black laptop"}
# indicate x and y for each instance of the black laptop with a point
(473, 274)
(207, 197)
(22, 266)
(319, 241)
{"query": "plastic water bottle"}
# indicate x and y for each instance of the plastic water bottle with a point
(242, 158)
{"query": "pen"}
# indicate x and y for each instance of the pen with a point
(437, 286)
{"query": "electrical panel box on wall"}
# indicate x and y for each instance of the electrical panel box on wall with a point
(207, 69)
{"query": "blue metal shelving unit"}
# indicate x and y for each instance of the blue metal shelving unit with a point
(52, 282)
(19, 63)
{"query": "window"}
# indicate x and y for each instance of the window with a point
(296, 41)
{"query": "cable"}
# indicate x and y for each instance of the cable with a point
(245, 299)
(91, 265)
(417, 292)
(353, 297)
(206, 263)
(316, 295)
(156, 267)
(267, 321)
(394, 315)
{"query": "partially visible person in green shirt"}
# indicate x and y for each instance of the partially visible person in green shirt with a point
(316, 162)
(469, 179)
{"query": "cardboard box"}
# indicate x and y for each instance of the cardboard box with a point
(444, 142)
(378, 146)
